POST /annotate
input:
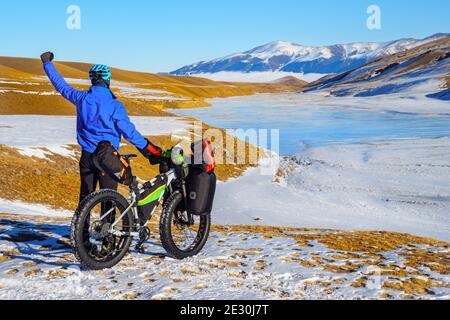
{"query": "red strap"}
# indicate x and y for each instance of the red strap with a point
(208, 153)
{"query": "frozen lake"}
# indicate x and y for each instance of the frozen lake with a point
(310, 120)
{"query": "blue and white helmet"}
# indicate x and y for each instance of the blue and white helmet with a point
(100, 71)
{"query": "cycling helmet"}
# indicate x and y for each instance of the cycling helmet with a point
(100, 72)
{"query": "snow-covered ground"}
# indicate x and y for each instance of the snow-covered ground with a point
(257, 77)
(407, 99)
(36, 262)
(397, 185)
(31, 133)
(33, 209)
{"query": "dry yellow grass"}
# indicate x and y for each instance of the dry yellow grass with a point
(4, 258)
(31, 273)
(447, 82)
(55, 181)
(361, 246)
(194, 90)
(359, 283)
(40, 181)
(412, 286)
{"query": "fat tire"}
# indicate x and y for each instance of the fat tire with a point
(169, 208)
(76, 233)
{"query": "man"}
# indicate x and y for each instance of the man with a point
(100, 117)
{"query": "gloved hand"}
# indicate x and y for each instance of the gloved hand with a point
(152, 153)
(47, 57)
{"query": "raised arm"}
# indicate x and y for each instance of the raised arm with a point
(58, 81)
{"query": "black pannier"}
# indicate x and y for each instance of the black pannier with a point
(149, 197)
(201, 187)
(108, 160)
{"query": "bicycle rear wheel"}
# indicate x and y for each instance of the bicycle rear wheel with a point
(182, 235)
(93, 243)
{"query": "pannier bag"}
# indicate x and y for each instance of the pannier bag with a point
(108, 160)
(203, 155)
(148, 199)
(201, 187)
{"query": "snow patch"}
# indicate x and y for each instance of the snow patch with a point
(30, 134)
(31, 209)
(400, 185)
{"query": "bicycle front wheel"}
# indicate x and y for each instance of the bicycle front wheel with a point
(94, 244)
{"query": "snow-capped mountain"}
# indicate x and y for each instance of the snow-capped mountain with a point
(281, 56)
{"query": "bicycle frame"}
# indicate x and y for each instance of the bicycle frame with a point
(171, 177)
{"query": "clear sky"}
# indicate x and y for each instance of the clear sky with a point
(162, 35)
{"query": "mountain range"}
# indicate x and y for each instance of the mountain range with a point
(282, 56)
(423, 70)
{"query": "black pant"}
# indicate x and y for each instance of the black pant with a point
(91, 176)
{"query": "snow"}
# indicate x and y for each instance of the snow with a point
(31, 209)
(39, 93)
(356, 50)
(292, 53)
(369, 163)
(146, 94)
(9, 82)
(31, 133)
(233, 265)
(257, 77)
(398, 185)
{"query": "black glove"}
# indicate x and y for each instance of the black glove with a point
(152, 153)
(47, 57)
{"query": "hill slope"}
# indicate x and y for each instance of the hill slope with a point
(423, 69)
(24, 89)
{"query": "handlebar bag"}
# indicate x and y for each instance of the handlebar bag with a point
(149, 196)
(201, 187)
(108, 160)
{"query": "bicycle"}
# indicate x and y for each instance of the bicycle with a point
(106, 222)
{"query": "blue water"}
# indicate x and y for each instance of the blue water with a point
(302, 125)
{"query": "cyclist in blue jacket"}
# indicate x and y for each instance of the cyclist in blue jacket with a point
(100, 117)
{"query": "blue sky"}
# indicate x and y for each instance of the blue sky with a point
(162, 35)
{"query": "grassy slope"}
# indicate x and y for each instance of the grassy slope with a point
(194, 90)
(27, 75)
(57, 177)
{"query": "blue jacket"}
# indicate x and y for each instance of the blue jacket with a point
(100, 116)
